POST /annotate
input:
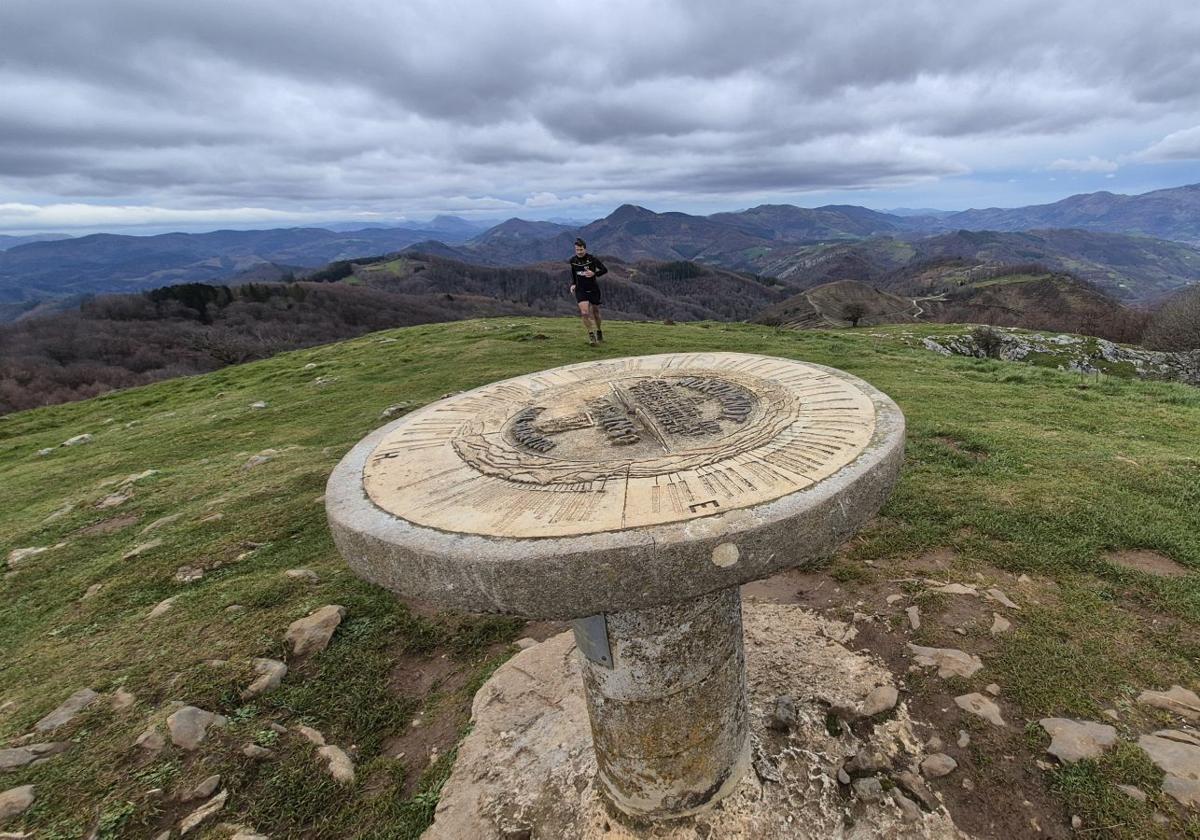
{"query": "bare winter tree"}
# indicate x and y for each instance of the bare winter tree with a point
(853, 312)
(1176, 325)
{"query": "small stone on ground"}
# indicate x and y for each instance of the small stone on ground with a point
(977, 704)
(338, 764)
(205, 811)
(1073, 740)
(15, 801)
(66, 712)
(189, 726)
(1000, 624)
(312, 633)
(880, 700)
(1178, 699)
(937, 765)
(949, 661)
(271, 673)
(914, 617)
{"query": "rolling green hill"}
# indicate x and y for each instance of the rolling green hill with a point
(1010, 470)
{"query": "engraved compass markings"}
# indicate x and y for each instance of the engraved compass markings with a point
(619, 444)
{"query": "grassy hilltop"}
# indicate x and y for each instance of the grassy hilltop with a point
(1011, 470)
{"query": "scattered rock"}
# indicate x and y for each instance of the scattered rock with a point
(60, 513)
(393, 410)
(261, 458)
(65, 713)
(233, 609)
(1076, 821)
(1112, 713)
(189, 726)
(869, 759)
(78, 440)
(15, 801)
(247, 834)
(892, 599)
(998, 595)
(113, 500)
(271, 673)
(868, 789)
(956, 589)
(915, 786)
(307, 575)
(92, 591)
(312, 735)
(141, 549)
(212, 517)
(964, 739)
(842, 776)
(158, 523)
(937, 765)
(151, 740)
(1132, 792)
(136, 477)
(1024, 579)
(44, 452)
(783, 716)
(310, 366)
(208, 809)
(1178, 700)
(1000, 624)
(914, 617)
(277, 727)
(259, 404)
(338, 764)
(880, 700)
(949, 661)
(1181, 764)
(257, 753)
(17, 555)
(203, 789)
(161, 607)
(909, 812)
(188, 574)
(979, 705)
(122, 700)
(312, 633)
(30, 755)
(1072, 740)
(992, 689)
(934, 744)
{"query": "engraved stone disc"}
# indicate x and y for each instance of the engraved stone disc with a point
(606, 446)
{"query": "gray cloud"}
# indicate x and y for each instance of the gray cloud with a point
(308, 107)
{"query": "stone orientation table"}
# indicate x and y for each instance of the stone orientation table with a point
(633, 497)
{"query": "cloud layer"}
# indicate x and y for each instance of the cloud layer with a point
(303, 109)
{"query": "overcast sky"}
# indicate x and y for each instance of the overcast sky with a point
(207, 113)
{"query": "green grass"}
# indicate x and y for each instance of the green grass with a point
(1016, 467)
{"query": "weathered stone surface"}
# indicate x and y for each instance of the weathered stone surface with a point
(1072, 740)
(259, 404)
(206, 811)
(868, 789)
(311, 735)
(955, 589)
(122, 700)
(151, 740)
(527, 765)
(257, 753)
(937, 765)
(1000, 624)
(203, 789)
(15, 801)
(949, 661)
(1177, 735)
(307, 575)
(312, 633)
(914, 617)
(580, 572)
(979, 705)
(92, 591)
(30, 755)
(783, 713)
(161, 608)
(141, 548)
(881, 699)
(113, 500)
(1181, 764)
(525, 643)
(998, 595)
(1177, 699)
(65, 713)
(19, 555)
(189, 574)
(78, 440)
(337, 763)
(160, 522)
(189, 726)
(270, 674)
(261, 458)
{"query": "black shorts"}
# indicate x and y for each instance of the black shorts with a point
(589, 291)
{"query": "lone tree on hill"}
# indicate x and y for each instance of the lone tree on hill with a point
(853, 312)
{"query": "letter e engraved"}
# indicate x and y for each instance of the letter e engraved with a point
(698, 505)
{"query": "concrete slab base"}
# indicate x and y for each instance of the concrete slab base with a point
(528, 769)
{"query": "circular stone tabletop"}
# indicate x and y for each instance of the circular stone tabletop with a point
(587, 484)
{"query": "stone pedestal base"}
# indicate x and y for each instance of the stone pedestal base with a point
(669, 717)
(528, 769)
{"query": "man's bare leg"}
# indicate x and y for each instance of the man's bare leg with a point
(596, 318)
(585, 315)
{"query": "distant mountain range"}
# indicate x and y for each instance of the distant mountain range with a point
(7, 242)
(1134, 247)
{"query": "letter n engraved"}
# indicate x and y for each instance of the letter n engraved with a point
(710, 503)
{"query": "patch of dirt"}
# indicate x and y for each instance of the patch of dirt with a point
(956, 446)
(1007, 794)
(108, 526)
(1149, 562)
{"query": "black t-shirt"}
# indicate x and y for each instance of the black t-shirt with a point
(582, 264)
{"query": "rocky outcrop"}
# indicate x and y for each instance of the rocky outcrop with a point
(1078, 354)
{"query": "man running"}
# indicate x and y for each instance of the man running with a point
(584, 270)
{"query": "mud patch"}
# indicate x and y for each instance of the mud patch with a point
(1148, 562)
